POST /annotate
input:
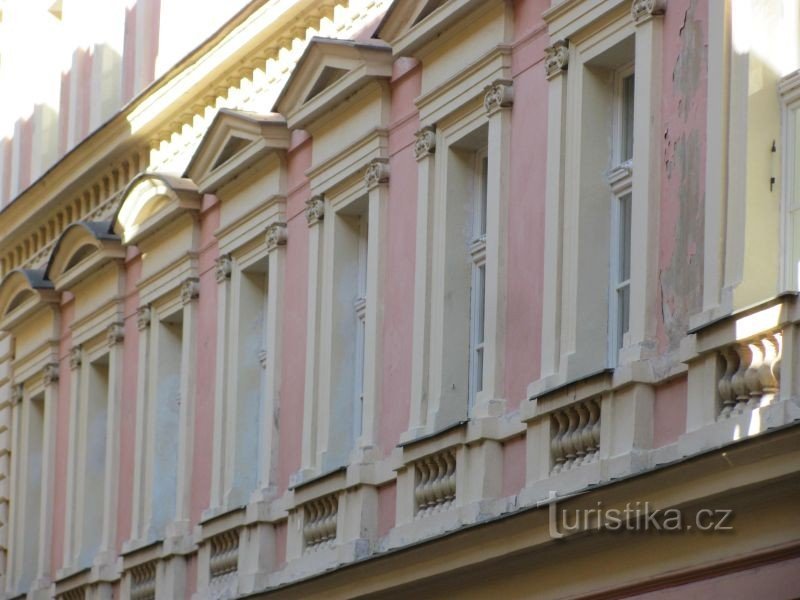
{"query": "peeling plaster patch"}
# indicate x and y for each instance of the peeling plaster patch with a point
(682, 214)
(682, 281)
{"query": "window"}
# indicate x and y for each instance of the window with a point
(620, 180)
(360, 307)
(478, 278)
(30, 463)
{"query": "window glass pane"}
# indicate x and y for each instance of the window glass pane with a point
(625, 238)
(483, 194)
(627, 118)
(480, 299)
(623, 317)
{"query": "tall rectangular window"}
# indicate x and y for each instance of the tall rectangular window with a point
(93, 439)
(30, 500)
(620, 180)
(478, 276)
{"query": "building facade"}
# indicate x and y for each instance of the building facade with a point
(423, 298)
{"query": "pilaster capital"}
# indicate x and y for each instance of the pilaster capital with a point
(276, 235)
(425, 142)
(556, 58)
(50, 373)
(17, 392)
(115, 334)
(500, 94)
(377, 172)
(644, 10)
(315, 209)
(190, 290)
(143, 315)
(75, 357)
(224, 267)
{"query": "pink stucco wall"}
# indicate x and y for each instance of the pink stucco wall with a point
(294, 319)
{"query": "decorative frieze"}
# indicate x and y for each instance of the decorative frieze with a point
(115, 334)
(224, 559)
(276, 235)
(315, 209)
(556, 59)
(377, 172)
(435, 482)
(498, 95)
(642, 10)
(143, 581)
(143, 317)
(190, 290)
(224, 268)
(575, 435)
(319, 522)
(425, 142)
(75, 357)
(50, 373)
(751, 376)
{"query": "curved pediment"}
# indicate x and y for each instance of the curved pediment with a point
(150, 201)
(330, 71)
(233, 142)
(81, 249)
(22, 291)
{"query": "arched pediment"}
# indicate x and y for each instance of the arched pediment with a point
(81, 249)
(234, 141)
(328, 72)
(22, 291)
(151, 200)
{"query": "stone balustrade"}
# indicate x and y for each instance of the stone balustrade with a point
(435, 482)
(751, 373)
(143, 581)
(575, 435)
(319, 526)
(223, 561)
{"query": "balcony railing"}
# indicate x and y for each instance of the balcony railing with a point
(319, 525)
(435, 482)
(575, 435)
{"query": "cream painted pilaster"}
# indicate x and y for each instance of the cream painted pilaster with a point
(315, 211)
(16, 509)
(50, 384)
(716, 172)
(497, 102)
(114, 337)
(223, 274)
(71, 524)
(141, 487)
(377, 180)
(276, 237)
(646, 184)
(556, 61)
(424, 150)
(190, 290)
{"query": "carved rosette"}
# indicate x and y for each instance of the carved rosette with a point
(16, 393)
(425, 142)
(315, 209)
(190, 290)
(115, 334)
(276, 236)
(224, 267)
(143, 318)
(643, 10)
(376, 173)
(75, 357)
(556, 59)
(498, 95)
(50, 373)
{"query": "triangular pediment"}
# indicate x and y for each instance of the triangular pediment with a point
(408, 24)
(330, 71)
(232, 143)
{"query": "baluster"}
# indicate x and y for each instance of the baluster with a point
(585, 432)
(556, 444)
(594, 427)
(751, 376)
(450, 457)
(766, 373)
(738, 381)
